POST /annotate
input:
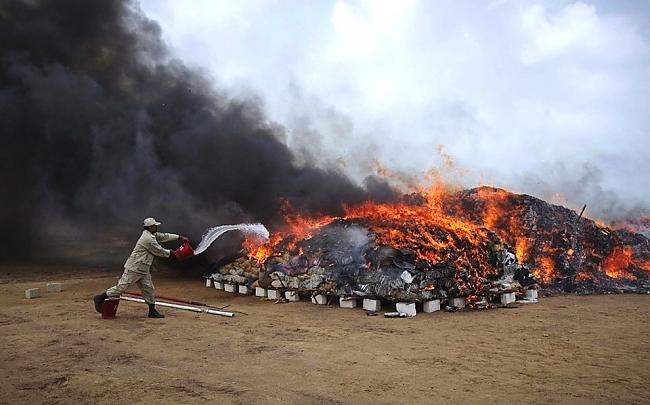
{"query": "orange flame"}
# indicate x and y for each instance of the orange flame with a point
(434, 223)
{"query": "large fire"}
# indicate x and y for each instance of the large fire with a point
(441, 224)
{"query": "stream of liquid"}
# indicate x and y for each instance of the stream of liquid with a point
(213, 233)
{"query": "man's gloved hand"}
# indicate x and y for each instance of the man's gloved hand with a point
(185, 239)
(172, 255)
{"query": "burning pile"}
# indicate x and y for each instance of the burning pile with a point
(437, 243)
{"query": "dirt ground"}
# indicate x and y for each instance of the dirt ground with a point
(568, 349)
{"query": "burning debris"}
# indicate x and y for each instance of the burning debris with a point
(475, 244)
(565, 252)
(344, 258)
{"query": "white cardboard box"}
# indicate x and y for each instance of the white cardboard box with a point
(244, 289)
(371, 305)
(292, 296)
(431, 306)
(457, 302)
(218, 285)
(507, 298)
(531, 295)
(230, 288)
(407, 308)
(208, 282)
(274, 294)
(350, 302)
(319, 299)
(260, 292)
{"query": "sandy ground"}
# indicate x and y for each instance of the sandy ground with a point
(569, 349)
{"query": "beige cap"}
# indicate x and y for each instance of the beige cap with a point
(150, 222)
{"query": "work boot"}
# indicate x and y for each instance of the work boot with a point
(153, 313)
(99, 300)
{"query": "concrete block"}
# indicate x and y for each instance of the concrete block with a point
(531, 295)
(431, 306)
(348, 302)
(32, 293)
(371, 305)
(319, 299)
(507, 298)
(274, 294)
(54, 287)
(245, 290)
(292, 295)
(231, 288)
(260, 292)
(457, 302)
(407, 308)
(218, 285)
(208, 282)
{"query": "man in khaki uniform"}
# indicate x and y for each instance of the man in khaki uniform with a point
(138, 266)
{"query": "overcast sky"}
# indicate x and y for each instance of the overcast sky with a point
(539, 97)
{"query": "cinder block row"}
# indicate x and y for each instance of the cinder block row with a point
(51, 287)
(321, 299)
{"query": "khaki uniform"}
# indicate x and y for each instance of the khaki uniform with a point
(138, 266)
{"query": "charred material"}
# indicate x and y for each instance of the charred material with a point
(566, 252)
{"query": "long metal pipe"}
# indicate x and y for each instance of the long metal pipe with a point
(183, 307)
(163, 297)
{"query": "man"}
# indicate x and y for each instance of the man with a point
(138, 266)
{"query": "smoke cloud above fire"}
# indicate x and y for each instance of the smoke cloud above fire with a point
(102, 126)
(546, 98)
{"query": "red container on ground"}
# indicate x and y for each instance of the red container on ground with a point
(184, 251)
(109, 308)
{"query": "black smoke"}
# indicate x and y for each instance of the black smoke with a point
(102, 126)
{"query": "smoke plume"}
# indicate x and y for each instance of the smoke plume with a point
(103, 127)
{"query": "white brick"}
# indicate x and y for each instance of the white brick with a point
(507, 298)
(348, 302)
(244, 289)
(208, 282)
(531, 295)
(457, 302)
(260, 292)
(371, 305)
(319, 299)
(230, 288)
(431, 306)
(292, 296)
(32, 293)
(218, 285)
(274, 294)
(407, 308)
(54, 287)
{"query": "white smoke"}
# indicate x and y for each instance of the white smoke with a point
(513, 90)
